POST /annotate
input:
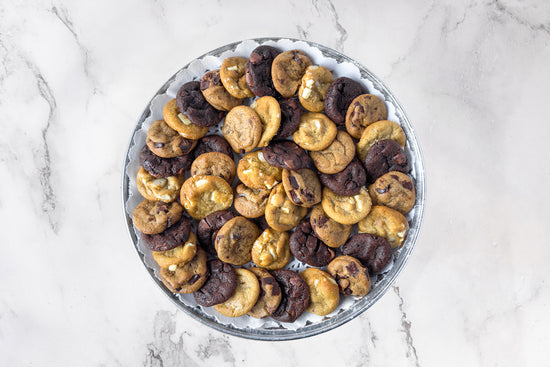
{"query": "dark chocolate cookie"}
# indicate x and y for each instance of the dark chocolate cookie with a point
(213, 143)
(348, 182)
(385, 156)
(258, 71)
(194, 106)
(286, 154)
(306, 247)
(209, 226)
(220, 284)
(171, 238)
(290, 117)
(163, 167)
(295, 295)
(373, 251)
(339, 96)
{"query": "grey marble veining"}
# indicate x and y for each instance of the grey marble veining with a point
(472, 76)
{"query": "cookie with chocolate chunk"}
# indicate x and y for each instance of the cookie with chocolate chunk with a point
(209, 226)
(270, 294)
(166, 142)
(287, 71)
(352, 278)
(215, 93)
(187, 277)
(152, 217)
(302, 187)
(394, 190)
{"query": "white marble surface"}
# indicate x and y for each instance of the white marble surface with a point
(473, 77)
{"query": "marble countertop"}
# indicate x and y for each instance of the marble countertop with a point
(472, 76)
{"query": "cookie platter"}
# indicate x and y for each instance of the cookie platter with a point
(307, 324)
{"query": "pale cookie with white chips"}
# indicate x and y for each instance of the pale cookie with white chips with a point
(152, 188)
(178, 255)
(313, 89)
(315, 131)
(324, 293)
(202, 195)
(271, 250)
(245, 296)
(336, 157)
(346, 209)
(281, 213)
(232, 73)
(254, 171)
(179, 122)
(269, 111)
(387, 223)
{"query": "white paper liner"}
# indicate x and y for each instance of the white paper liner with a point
(194, 71)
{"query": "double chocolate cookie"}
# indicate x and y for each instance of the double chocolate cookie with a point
(171, 238)
(385, 156)
(213, 143)
(163, 167)
(258, 71)
(220, 284)
(373, 251)
(290, 117)
(295, 295)
(347, 182)
(306, 247)
(339, 96)
(209, 226)
(286, 154)
(195, 107)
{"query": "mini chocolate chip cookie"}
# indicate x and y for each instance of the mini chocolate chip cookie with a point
(290, 117)
(215, 93)
(166, 142)
(306, 247)
(187, 277)
(183, 253)
(219, 286)
(287, 71)
(336, 156)
(324, 293)
(373, 251)
(195, 107)
(214, 164)
(270, 294)
(280, 213)
(164, 189)
(385, 156)
(242, 129)
(379, 130)
(254, 171)
(339, 96)
(235, 239)
(233, 77)
(302, 187)
(171, 238)
(213, 143)
(329, 231)
(363, 111)
(270, 250)
(347, 182)
(352, 278)
(394, 190)
(269, 112)
(163, 167)
(315, 132)
(208, 228)
(250, 202)
(179, 122)
(202, 195)
(346, 209)
(286, 154)
(313, 89)
(258, 71)
(295, 295)
(152, 217)
(386, 222)
(245, 296)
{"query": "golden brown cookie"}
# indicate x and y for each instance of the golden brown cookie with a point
(280, 213)
(233, 77)
(336, 156)
(387, 223)
(302, 187)
(269, 111)
(164, 189)
(167, 142)
(187, 277)
(254, 171)
(242, 129)
(287, 71)
(214, 164)
(329, 231)
(270, 250)
(215, 93)
(363, 111)
(324, 294)
(352, 278)
(270, 294)
(379, 130)
(313, 89)
(395, 190)
(179, 255)
(235, 239)
(346, 209)
(245, 296)
(179, 122)
(152, 217)
(202, 195)
(249, 202)
(315, 132)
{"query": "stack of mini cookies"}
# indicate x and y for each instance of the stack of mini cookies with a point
(316, 161)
